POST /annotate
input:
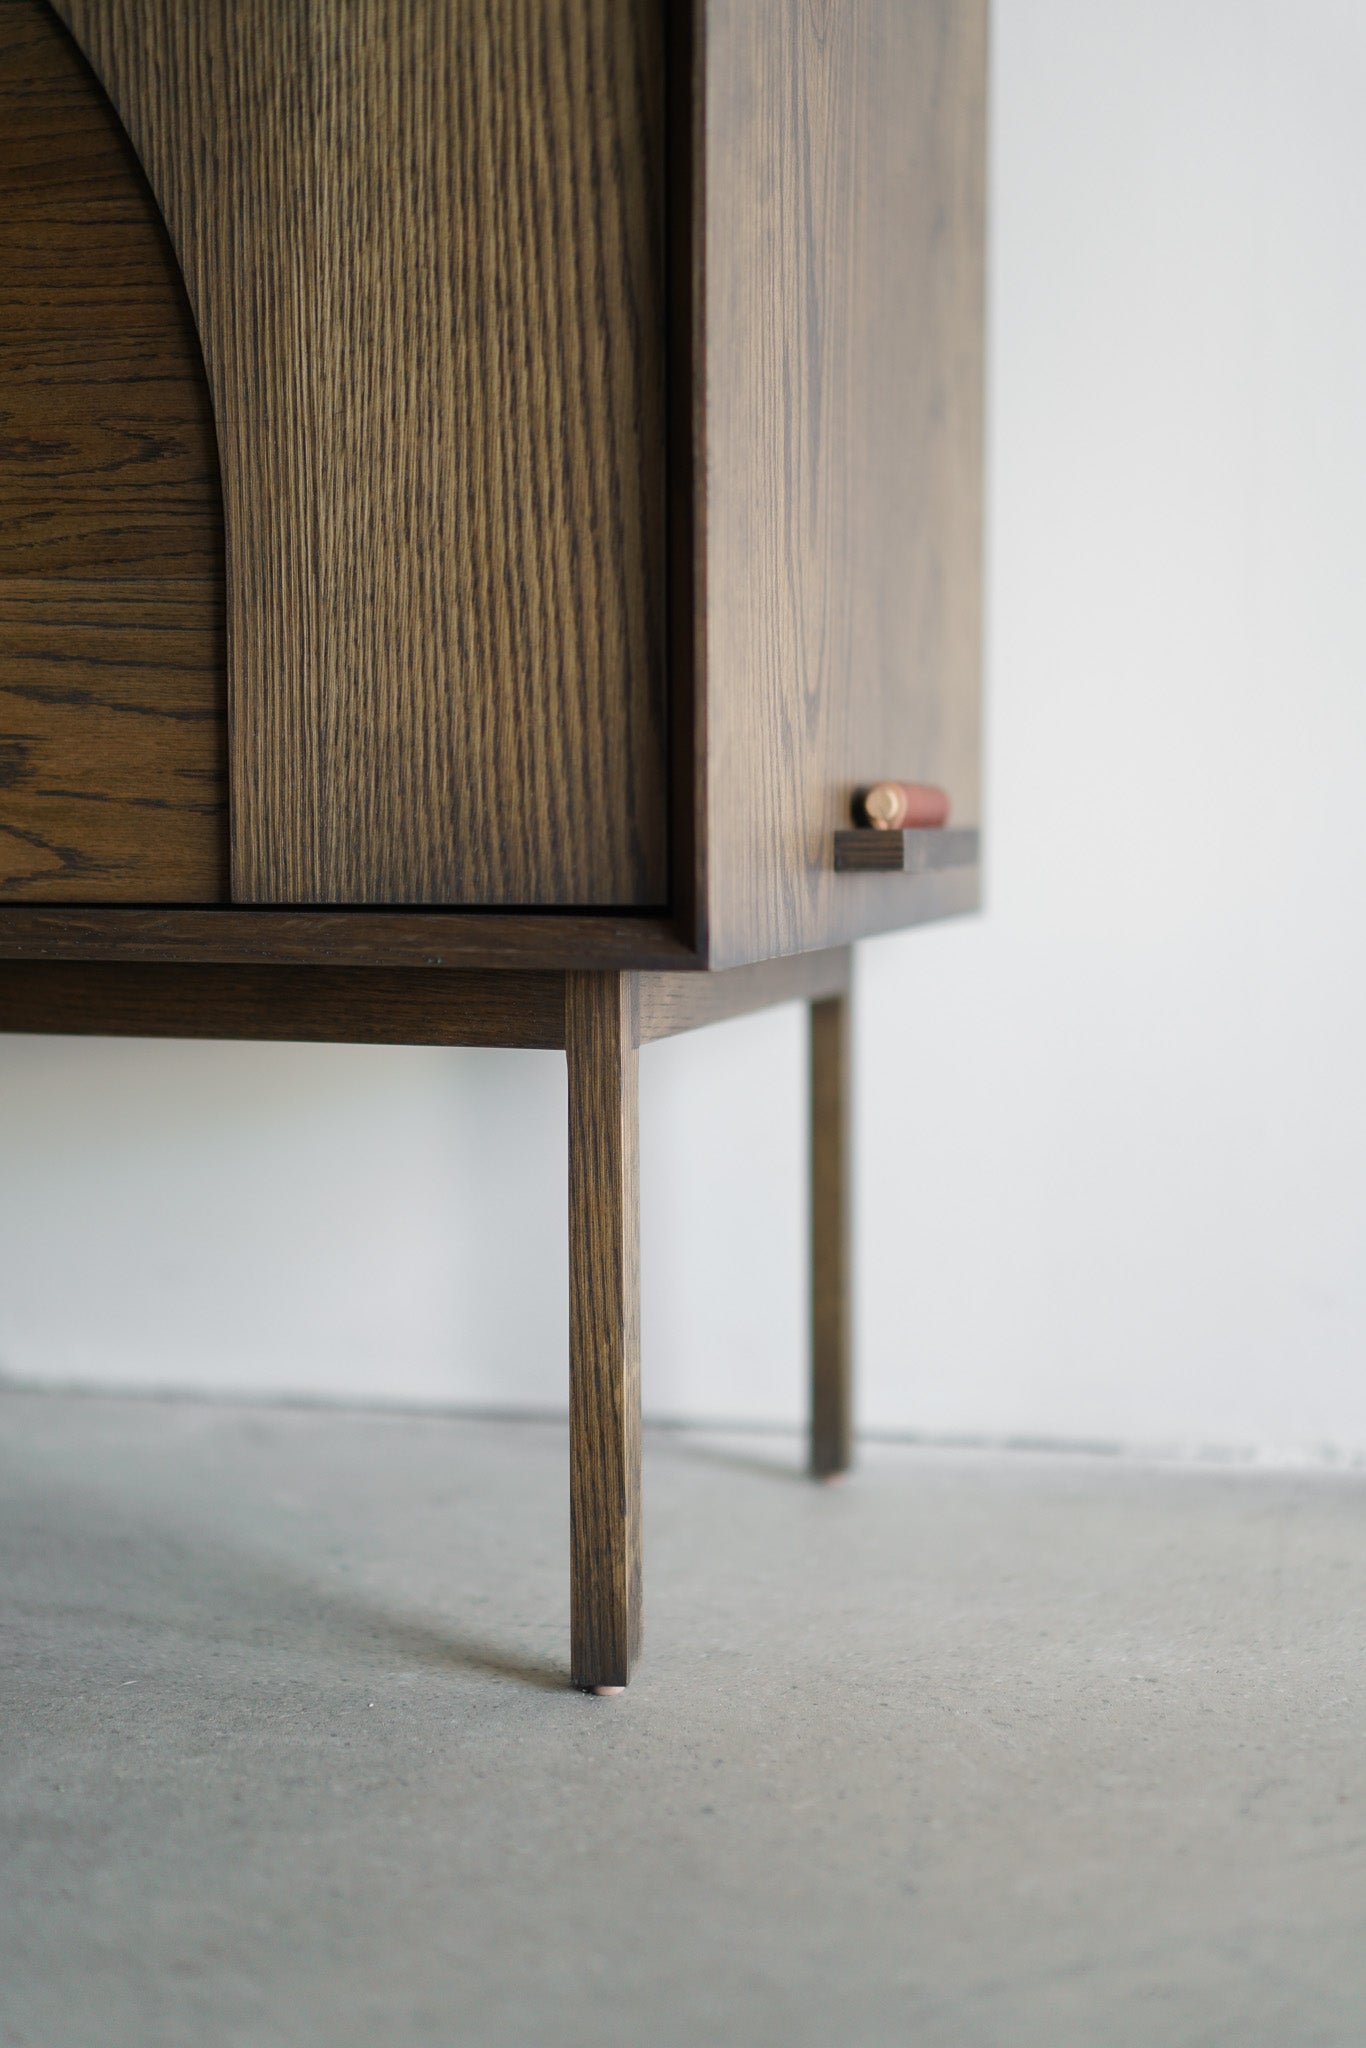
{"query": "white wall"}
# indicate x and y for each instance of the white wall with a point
(1125, 1105)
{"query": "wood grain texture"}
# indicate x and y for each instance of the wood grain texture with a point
(670, 1003)
(113, 755)
(604, 1327)
(113, 748)
(868, 851)
(108, 464)
(341, 937)
(842, 252)
(311, 1005)
(423, 245)
(418, 938)
(831, 1278)
(379, 1005)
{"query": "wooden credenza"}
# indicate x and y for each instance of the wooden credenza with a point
(483, 485)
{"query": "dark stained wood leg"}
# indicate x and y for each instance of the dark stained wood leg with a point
(831, 1359)
(601, 1038)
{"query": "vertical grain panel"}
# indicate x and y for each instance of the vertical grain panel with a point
(601, 1038)
(113, 771)
(842, 259)
(423, 247)
(831, 1276)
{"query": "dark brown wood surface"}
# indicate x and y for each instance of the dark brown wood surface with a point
(865, 850)
(601, 1032)
(379, 1004)
(323, 1005)
(342, 937)
(112, 727)
(113, 758)
(841, 260)
(424, 248)
(670, 1003)
(455, 637)
(831, 1277)
(517, 940)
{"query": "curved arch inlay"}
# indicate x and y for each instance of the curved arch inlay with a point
(113, 749)
(423, 240)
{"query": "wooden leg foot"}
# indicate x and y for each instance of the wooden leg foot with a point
(831, 1359)
(604, 1330)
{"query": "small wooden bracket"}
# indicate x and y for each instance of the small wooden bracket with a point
(908, 853)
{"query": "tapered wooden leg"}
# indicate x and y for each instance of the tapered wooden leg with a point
(604, 1328)
(831, 1357)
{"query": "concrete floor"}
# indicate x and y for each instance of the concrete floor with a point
(978, 1749)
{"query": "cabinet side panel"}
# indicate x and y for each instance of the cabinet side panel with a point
(113, 771)
(845, 179)
(423, 244)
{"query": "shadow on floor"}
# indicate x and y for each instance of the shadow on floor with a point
(145, 1569)
(734, 1460)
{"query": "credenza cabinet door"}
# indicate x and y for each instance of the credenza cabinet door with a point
(113, 749)
(423, 245)
(597, 395)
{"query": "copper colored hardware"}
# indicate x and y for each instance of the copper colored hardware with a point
(905, 806)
